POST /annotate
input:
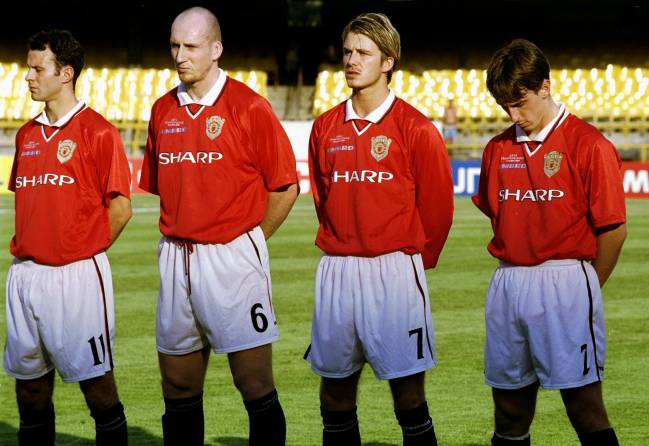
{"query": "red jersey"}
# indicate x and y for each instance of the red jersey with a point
(64, 176)
(380, 184)
(546, 203)
(214, 162)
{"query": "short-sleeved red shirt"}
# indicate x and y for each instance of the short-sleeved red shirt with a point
(546, 204)
(213, 163)
(380, 184)
(64, 176)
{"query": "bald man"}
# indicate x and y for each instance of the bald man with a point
(225, 172)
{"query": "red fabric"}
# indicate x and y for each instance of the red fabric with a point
(368, 206)
(61, 206)
(213, 190)
(585, 190)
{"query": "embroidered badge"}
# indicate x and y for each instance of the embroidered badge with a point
(380, 147)
(552, 163)
(66, 150)
(214, 126)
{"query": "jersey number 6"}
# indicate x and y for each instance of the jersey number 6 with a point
(259, 320)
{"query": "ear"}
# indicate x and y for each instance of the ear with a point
(217, 50)
(545, 90)
(67, 74)
(387, 64)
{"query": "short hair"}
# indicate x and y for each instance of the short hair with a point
(517, 67)
(66, 49)
(377, 27)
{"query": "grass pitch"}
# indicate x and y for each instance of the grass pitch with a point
(460, 403)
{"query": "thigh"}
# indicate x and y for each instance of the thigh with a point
(508, 363)
(183, 376)
(564, 317)
(252, 371)
(393, 317)
(72, 308)
(335, 351)
(339, 394)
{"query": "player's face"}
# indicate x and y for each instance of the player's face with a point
(44, 79)
(363, 62)
(194, 53)
(531, 112)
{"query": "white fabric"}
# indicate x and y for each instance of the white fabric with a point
(540, 328)
(371, 309)
(55, 315)
(230, 296)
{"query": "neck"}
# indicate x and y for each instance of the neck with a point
(366, 100)
(199, 89)
(548, 116)
(56, 108)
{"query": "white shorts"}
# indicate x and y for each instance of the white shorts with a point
(224, 301)
(60, 317)
(544, 323)
(375, 310)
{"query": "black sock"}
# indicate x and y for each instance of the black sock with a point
(267, 422)
(605, 437)
(183, 423)
(417, 426)
(110, 426)
(36, 427)
(340, 428)
(497, 440)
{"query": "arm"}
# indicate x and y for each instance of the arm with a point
(280, 203)
(119, 213)
(609, 244)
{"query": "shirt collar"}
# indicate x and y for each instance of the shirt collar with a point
(209, 98)
(375, 115)
(43, 119)
(521, 136)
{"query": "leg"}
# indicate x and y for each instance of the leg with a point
(36, 411)
(338, 409)
(514, 411)
(102, 400)
(182, 387)
(411, 410)
(585, 408)
(252, 372)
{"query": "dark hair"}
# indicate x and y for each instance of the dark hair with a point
(66, 49)
(381, 31)
(517, 67)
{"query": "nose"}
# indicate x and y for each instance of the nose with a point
(352, 58)
(513, 114)
(29, 75)
(179, 55)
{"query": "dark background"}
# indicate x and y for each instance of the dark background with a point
(287, 37)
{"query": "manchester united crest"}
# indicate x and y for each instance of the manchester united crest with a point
(552, 163)
(214, 125)
(380, 147)
(66, 150)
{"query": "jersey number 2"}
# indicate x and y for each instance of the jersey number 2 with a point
(95, 352)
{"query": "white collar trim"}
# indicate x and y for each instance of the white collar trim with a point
(209, 98)
(43, 119)
(375, 115)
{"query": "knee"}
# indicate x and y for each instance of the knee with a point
(336, 399)
(34, 394)
(252, 386)
(100, 393)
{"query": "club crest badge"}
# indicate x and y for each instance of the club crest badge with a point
(214, 125)
(380, 147)
(66, 150)
(552, 163)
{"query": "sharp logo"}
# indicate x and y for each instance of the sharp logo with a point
(190, 157)
(47, 178)
(354, 176)
(529, 194)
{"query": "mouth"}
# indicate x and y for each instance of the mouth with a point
(352, 73)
